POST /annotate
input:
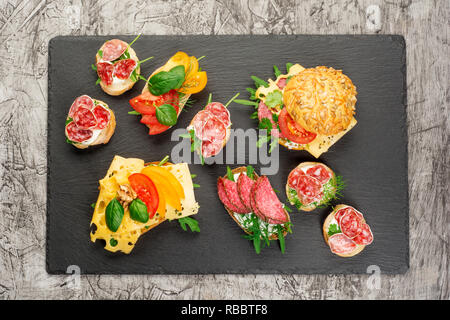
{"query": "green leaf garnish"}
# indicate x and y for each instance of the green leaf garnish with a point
(100, 53)
(276, 71)
(94, 67)
(250, 171)
(93, 205)
(190, 222)
(274, 98)
(231, 100)
(265, 123)
(113, 242)
(281, 238)
(230, 174)
(259, 82)
(163, 161)
(138, 211)
(165, 81)
(196, 185)
(209, 99)
(333, 229)
(134, 112)
(166, 115)
(98, 81)
(246, 102)
(114, 215)
(288, 66)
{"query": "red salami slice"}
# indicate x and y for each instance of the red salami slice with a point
(351, 223)
(253, 203)
(223, 196)
(341, 212)
(264, 112)
(199, 122)
(220, 111)
(308, 189)
(232, 194)
(214, 130)
(113, 49)
(268, 203)
(82, 101)
(340, 244)
(320, 173)
(210, 149)
(124, 68)
(105, 72)
(84, 118)
(365, 237)
(102, 115)
(76, 134)
(282, 83)
(245, 185)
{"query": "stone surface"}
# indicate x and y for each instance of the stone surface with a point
(27, 26)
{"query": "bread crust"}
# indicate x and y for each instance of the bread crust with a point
(106, 134)
(274, 236)
(311, 206)
(326, 225)
(127, 84)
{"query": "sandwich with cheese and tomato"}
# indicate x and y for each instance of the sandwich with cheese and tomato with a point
(305, 109)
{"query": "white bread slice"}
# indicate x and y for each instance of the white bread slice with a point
(311, 206)
(326, 225)
(118, 88)
(106, 133)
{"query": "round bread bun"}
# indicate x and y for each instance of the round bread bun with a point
(321, 99)
(310, 206)
(117, 89)
(105, 134)
(274, 236)
(326, 225)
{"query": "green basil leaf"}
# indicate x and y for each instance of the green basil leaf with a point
(190, 222)
(114, 215)
(165, 81)
(274, 98)
(166, 115)
(138, 211)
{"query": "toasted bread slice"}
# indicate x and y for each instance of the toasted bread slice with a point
(326, 226)
(105, 134)
(313, 205)
(241, 170)
(121, 86)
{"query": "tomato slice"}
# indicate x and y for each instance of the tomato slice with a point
(194, 83)
(193, 67)
(292, 130)
(146, 191)
(146, 102)
(178, 59)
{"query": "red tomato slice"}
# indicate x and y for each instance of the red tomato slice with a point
(146, 191)
(146, 102)
(292, 130)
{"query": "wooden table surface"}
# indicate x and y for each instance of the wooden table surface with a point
(25, 30)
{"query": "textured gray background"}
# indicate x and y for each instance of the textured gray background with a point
(27, 26)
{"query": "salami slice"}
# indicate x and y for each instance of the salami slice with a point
(253, 203)
(245, 185)
(214, 130)
(211, 148)
(199, 122)
(124, 68)
(232, 194)
(282, 83)
(268, 203)
(351, 223)
(84, 118)
(264, 112)
(340, 244)
(105, 72)
(365, 237)
(82, 101)
(102, 115)
(308, 189)
(223, 196)
(320, 173)
(341, 212)
(113, 49)
(220, 111)
(76, 134)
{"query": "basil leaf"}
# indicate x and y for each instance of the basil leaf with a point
(114, 215)
(190, 222)
(138, 211)
(274, 99)
(166, 115)
(165, 81)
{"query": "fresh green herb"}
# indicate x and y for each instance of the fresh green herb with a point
(246, 102)
(262, 139)
(193, 175)
(100, 53)
(288, 66)
(259, 82)
(185, 135)
(94, 67)
(98, 81)
(287, 208)
(254, 115)
(274, 99)
(190, 222)
(166, 115)
(293, 197)
(70, 141)
(276, 71)
(333, 229)
(273, 143)
(252, 92)
(138, 211)
(196, 185)
(198, 59)
(275, 117)
(231, 100)
(93, 205)
(68, 120)
(134, 75)
(280, 232)
(209, 98)
(134, 113)
(113, 242)
(163, 161)
(332, 190)
(230, 174)
(265, 123)
(288, 78)
(114, 215)
(250, 171)
(165, 81)
(131, 43)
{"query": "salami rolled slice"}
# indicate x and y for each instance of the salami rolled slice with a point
(365, 237)
(124, 68)
(264, 112)
(220, 111)
(245, 185)
(105, 72)
(102, 115)
(223, 196)
(211, 148)
(84, 118)
(351, 223)
(232, 194)
(282, 83)
(308, 189)
(340, 244)
(268, 203)
(113, 49)
(82, 101)
(320, 173)
(76, 134)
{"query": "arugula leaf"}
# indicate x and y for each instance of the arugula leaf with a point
(281, 238)
(265, 123)
(190, 222)
(230, 174)
(193, 175)
(185, 135)
(163, 161)
(93, 205)
(259, 82)
(252, 92)
(273, 144)
(134, 113)
(166, 115)
(98, 81)
(209, 99)
(100, 53)
(231, 100)
(288, 66)
(250, 171)
(94, 67)
(274, 98)
(262, 139)
(68, 120)
(246, 102)
(254, 115)
(196, 185)
(333, 229)
(276, 71)
(165, 81)
(70, 141)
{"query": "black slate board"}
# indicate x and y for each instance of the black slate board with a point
(372, 158)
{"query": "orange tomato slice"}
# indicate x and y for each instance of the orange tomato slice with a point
(193, 67)
(178, 59)
(168, 176)
(195, 83)
(164, 187)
